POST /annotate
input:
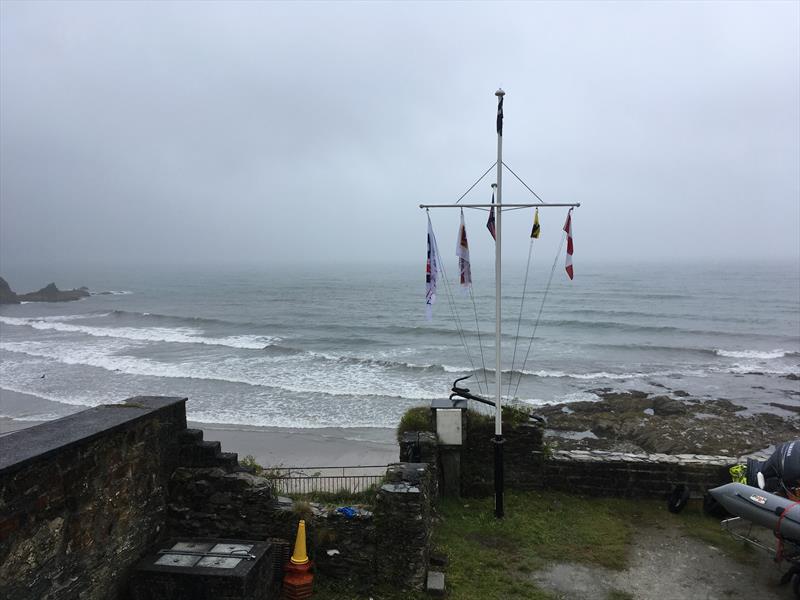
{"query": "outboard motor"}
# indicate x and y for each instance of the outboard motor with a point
(780, 472)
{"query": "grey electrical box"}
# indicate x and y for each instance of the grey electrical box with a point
(448, 426)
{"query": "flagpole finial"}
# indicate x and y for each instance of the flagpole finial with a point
(500, 92)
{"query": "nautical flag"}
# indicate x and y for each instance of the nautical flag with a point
(568, 229)
(462, 252)
(500, 116)
(490, 222)
(431, 273)
(535, 230)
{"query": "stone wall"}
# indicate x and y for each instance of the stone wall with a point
(521, 453)
(604, 473)
(384, 543)
(83, 497)
(528, 465)
(403, 519)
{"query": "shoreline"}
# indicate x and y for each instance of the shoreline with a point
(270, 446)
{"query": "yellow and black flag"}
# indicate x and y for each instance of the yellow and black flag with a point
(535, 230)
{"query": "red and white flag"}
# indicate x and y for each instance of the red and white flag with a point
(568, 229)
(462, 252)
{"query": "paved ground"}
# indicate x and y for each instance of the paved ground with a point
(668, 566)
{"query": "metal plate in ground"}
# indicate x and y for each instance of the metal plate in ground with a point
(214, 562)
(177, 560)
(192, 546)
(231, 549)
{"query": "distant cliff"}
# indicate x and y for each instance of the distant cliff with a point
(7, 296)
(49, 293)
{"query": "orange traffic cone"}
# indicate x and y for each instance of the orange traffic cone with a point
(298, 579)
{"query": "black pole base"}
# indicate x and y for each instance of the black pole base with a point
(498, 442)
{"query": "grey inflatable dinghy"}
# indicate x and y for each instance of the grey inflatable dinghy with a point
(761, 508)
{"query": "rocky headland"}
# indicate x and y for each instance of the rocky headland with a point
(635, 421)
(49, 293)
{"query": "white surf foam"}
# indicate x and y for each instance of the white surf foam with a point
(756, 354)
(179, 335)
(302, 376)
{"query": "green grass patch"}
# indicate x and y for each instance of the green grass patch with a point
(538, 528)
(492, 559)
(343, 497)
(418, 418)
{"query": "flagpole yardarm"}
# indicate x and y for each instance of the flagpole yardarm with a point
(506, 206)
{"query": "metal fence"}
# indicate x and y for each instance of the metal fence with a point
(331, 480)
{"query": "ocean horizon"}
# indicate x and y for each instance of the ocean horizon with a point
(349, 347)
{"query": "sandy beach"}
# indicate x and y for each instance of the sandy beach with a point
(270, 446)
(325, 447)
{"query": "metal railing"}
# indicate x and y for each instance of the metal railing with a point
(329, 480)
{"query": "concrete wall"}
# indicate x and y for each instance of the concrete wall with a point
(81, 498)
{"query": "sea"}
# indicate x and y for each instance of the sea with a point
(349, 346)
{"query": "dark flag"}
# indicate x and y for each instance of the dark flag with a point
(490, 222)
(500, 116)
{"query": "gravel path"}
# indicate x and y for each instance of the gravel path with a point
(665, 565)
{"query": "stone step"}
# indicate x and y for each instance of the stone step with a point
(227, 460)
(190, 436)
(200, 454)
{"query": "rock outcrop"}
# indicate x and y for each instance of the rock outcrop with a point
(7, 295)
(638, 422)
(50, 293)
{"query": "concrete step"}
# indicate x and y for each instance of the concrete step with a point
(435, 585)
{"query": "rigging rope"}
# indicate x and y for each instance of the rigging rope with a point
(451, 303)
(519, 320)
(539, 315)
(477, 182)
(480, 343)
(523, 183)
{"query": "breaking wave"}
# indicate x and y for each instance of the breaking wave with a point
(180, 335)
(756, 354)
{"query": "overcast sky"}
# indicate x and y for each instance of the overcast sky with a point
(269, 132)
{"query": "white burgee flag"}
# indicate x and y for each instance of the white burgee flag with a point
(462, 252)
(431, 272)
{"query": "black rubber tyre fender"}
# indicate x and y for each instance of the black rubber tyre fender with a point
(678, 498)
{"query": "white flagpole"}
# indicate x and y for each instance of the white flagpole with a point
(498, 415)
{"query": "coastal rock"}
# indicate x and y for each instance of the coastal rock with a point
(634, 421)
(50, 293)
(7, 295)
